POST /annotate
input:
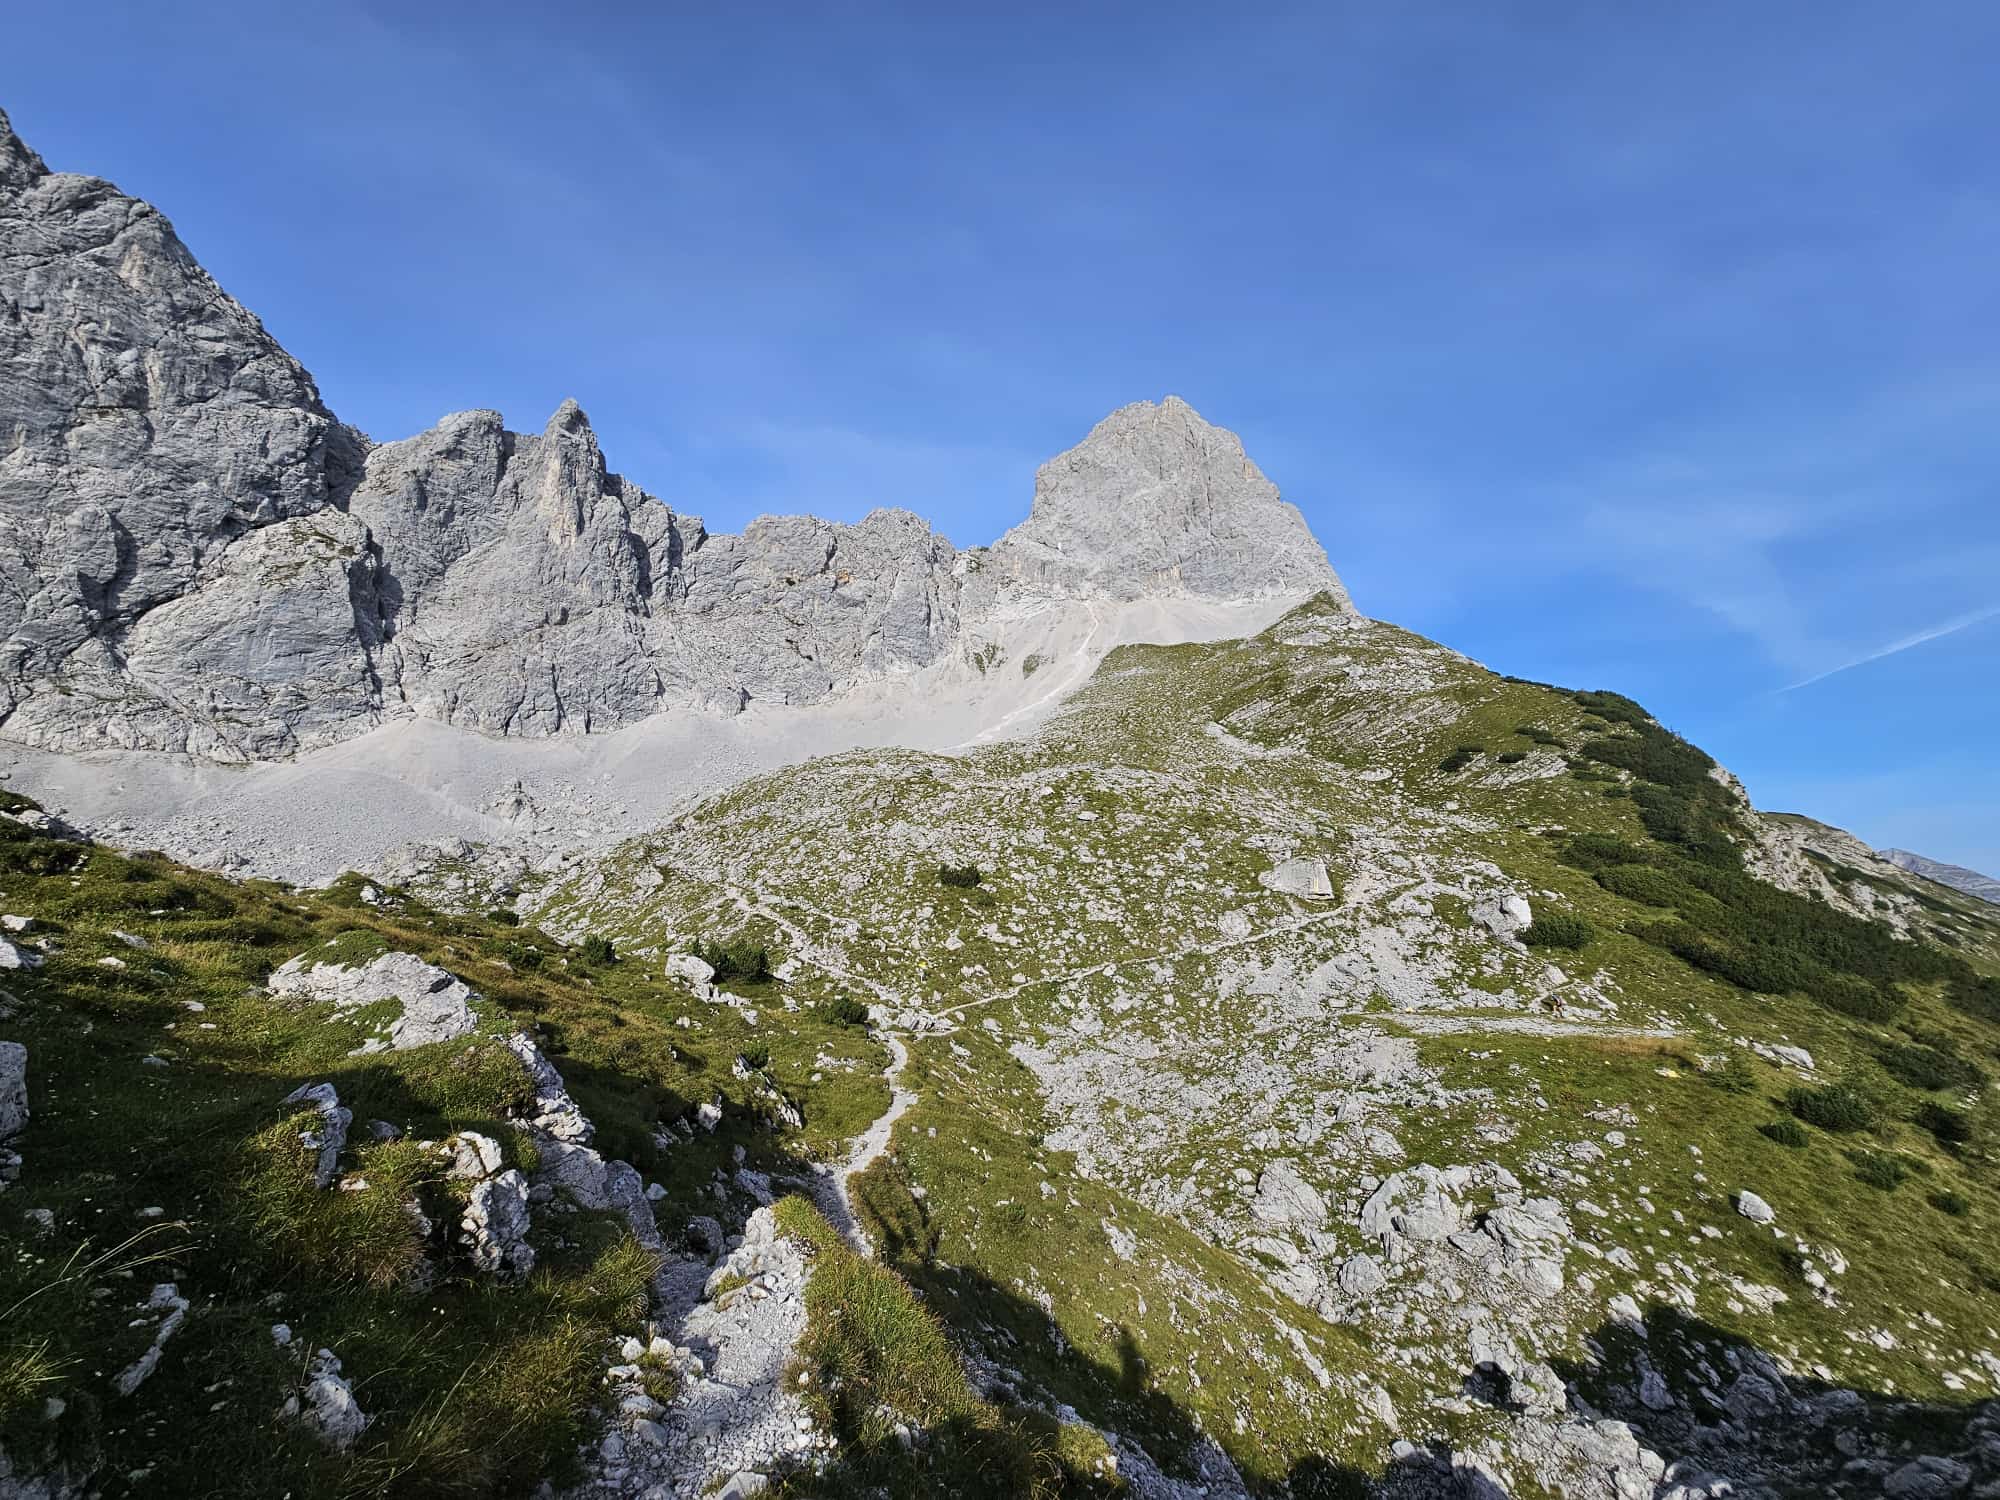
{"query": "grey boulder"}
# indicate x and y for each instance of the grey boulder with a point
(13, 1089)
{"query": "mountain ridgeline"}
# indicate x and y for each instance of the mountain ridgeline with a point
(198, 555)
(1251, 1050)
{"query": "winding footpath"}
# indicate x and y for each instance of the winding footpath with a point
(830, 1190)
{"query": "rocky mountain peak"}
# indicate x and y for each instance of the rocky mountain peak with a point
(1971, 882)
(196, 555)
(1156, 501)
(572, 472)
(153, 428)
(18, 164)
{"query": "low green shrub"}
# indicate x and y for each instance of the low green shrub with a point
(1948, 1201)
(1645, 884)
(1881, 1170)
(1734, 1074)
(959, 877)
(1923, 1067)
(1836, 1107)
(501, 916)
(1952, 1127)
(844, 1010)
(598, 952)
(1665, 759)
(740, 959)
(1878, 1001)
(1598, 851)
(1976, 996)
(1557, 929)
(756, 1057)
(1614, 707)
(1511, 757)
(1786, 1133)
(1460, 758)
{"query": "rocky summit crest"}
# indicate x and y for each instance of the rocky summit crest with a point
(1158, 502)
(200, 557)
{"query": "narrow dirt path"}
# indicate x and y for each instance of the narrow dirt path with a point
(829, 1187)
(830, 1190)
(1190, 950)
(753, 904)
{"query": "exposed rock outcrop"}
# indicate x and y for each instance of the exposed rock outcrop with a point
(149, 429)
(195, 555)
(432, 1004)
(1810, 858)
(734, 1416)
(326, 1404)
(1156, 502)
(327, 1139)
(13, 1089)
(164, 1310)
(1971, 882)
(569, 1164)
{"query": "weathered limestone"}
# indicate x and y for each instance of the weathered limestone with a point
(329, 1138)
(436, 1005)
(13, 1089)
(195, 555)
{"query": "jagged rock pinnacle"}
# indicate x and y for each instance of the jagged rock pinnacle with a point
(18, 164)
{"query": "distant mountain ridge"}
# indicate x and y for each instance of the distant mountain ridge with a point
(1985, 887)
(197, 555)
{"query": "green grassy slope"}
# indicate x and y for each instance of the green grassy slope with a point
(1184, 1024)
(159, 1150)
(1116, 1031)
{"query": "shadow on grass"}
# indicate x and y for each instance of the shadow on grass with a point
(1733, 1412)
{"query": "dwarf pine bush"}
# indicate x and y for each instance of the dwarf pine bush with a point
(1836, 1107)
(1558, 929)
(1881, 1170)
(1786, 1133)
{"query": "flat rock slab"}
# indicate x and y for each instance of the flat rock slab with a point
(437, 1006)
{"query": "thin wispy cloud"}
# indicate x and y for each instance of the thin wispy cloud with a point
(1918, 638)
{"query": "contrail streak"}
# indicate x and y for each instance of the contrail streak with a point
(1936, 632)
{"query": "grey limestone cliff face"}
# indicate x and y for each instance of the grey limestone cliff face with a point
(523, 589)
(514, 576)
(197, 556)
(148, 427)
(1158, 503)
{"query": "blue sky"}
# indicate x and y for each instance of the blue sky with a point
(1638, 347)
